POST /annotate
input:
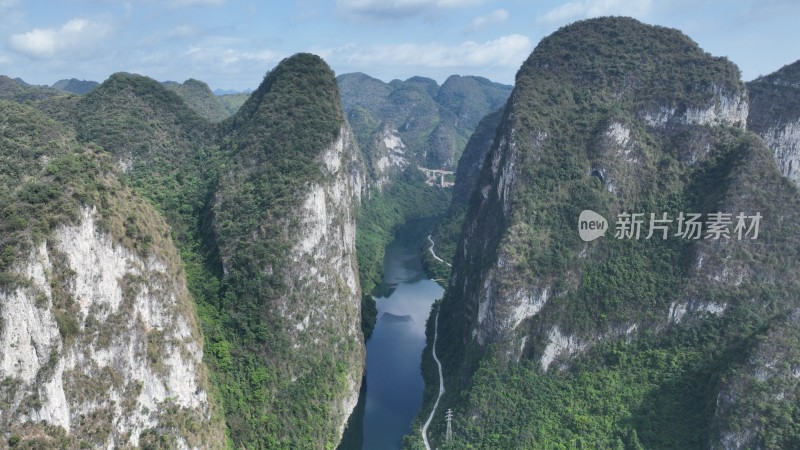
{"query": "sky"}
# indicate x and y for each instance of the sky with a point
(231, 44)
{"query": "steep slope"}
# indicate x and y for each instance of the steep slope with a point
(469, 168)
(415, 122)
(471, 98)
(550, 341)
(775, 116)
(75, 86)
(262, 208)
(199, 97)
(99, 339)
(167, 151)
(284, 223)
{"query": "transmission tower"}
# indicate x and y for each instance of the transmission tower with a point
(449, 416)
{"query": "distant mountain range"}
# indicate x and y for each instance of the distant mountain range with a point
(219, 91)
(171, 282)
(75, 86)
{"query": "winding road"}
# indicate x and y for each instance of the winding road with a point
(441, 377)
(434, 253)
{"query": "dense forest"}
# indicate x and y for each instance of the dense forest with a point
(550, 342)
(254, 225)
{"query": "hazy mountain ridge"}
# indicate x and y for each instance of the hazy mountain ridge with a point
(19, 91)
(223, 92)
(75, 86)
(415, 122)
(199, 97)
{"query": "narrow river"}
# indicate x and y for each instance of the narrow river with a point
(393, 393)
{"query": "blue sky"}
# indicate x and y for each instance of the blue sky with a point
(232, 44)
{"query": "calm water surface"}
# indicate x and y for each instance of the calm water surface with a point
(394, 385)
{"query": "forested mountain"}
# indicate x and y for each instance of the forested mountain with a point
(180, 269)
(262, 211)
(100, 343)
(75, 86)
(19, 91)
(552, 342)
(415, 122)
(199, 97)
(283, 220)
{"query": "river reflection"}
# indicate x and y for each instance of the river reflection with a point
(394, 384)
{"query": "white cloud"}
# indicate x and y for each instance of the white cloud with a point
(222, 57)
(7, 3)
(392, 9)
(182, 31)
(506, 51)
(583, 9)
(74, 39)
(496, 17)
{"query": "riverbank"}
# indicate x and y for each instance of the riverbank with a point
(441, 378)
(394, 385)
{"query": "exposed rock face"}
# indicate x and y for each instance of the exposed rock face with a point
(723, 107)
(389, 157)
(775, 116)
(323, 266)
(579, 133)
(130, 359)
(471, 162)
(100, 345)
(284, 223)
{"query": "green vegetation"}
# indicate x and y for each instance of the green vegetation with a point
(434, 122)
(229, 193)
(469, 167)
(275, 139)
(658, 384)
(232, 102)
(405, 199)
(46, 178)
(199, 97)
(13, 90)
(774, 99)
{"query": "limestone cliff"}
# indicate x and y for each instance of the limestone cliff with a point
(262, 209)
(619, 117)
(284, 224)
(775, 116)
(99, 340)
